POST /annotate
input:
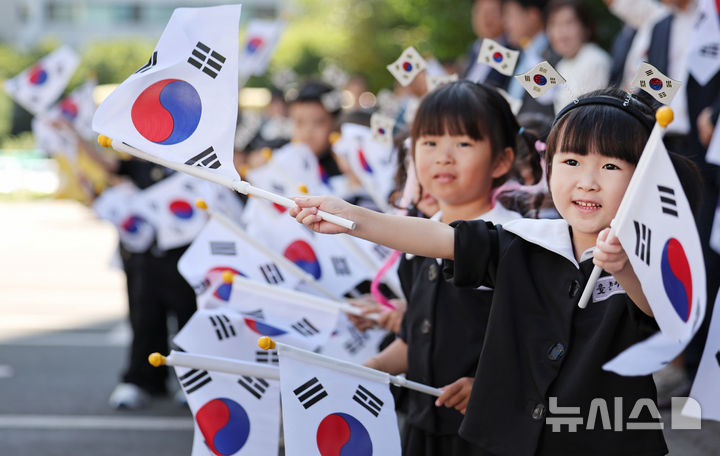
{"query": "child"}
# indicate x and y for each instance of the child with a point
(540, 350)
(464, 137)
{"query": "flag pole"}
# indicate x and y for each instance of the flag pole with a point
(663, 117)
(238, 184)
(266, 343)
(214, 363)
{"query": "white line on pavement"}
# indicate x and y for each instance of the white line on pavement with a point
(98, 422)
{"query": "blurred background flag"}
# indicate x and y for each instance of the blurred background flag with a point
(407, 66)
(183, 108)
(38, 87)
(652, 81)
(382, 128)
(541, 78)
(261, 39)
(503, 59)
(78, 108)
(704, 52)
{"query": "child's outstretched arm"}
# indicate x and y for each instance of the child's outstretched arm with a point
(611, 256)
(414, 235)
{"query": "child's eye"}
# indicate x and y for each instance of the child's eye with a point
(428, 143)
(465, 144)
(610, 166)
(571, 162)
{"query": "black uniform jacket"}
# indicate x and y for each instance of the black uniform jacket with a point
(540, 345)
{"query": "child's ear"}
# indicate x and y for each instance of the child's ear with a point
(503, 162)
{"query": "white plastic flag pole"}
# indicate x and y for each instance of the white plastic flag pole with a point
(266, 343)
(663, 117)
(238, 185)
(215, 364)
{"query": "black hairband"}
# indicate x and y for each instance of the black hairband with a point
(624, 106)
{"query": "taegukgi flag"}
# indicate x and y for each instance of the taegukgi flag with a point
(119, 205)
(261, 39)
(182, 105)
(38, 87)
(541, 78)
(407, 66)
(652, 81)
(331, 407)
(703, 58)
(502, 59)
(78, 108)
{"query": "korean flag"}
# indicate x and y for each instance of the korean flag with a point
(182, 105)
(118, 205)
(38, 87)
(261, 39)
(652, 81)
(407, 66)
(704, 52)
(234, 415)
(332, 408)
(502, 59)
(541, 78)
(78, 109)
(382, 128)
(435, 81)
(55, 137)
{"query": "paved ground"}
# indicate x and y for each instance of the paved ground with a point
(62, 345)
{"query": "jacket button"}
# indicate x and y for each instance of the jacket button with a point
(556, 352)
(433, 272)
(425, 326)
(538, 412)
(574, 289)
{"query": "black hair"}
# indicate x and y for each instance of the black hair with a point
(472, 109)
(614, 130)
(312, 91)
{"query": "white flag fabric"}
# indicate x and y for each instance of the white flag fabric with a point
(407, 66)
(290, 167)
(38, 87)
(705, 387)
(182, 105)
(502, 59)
(435, 81)
(118, 205)
(330, 409)
(652, 81)
(655, 225)
(217, 249)
(350, 344)
(703, 58)
(715, 233)
(541, 78)
(382, 128)
(78, 108)
(234, 415)
(261, 39)
(54, 137)
(169, 205)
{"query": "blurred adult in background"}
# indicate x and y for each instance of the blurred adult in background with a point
(524, 23)
(487, 22)
(584, 65)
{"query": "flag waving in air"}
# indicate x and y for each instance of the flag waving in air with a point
(78, 108)
(541, 78)
(182, 105)
(502, 59)
(38, 87)
(652, 81)
(261, 39)
(704, 51)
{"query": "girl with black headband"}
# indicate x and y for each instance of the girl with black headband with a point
(542, 355)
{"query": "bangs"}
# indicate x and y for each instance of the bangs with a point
(452, 109)
(605, 130)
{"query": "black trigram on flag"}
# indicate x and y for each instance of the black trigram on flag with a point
(271, 273)
(381, 251)
(152, 61)
(642, 242)
(356, 342)
(667, 200)
(223, 326)
(710, 50)
(206, 60)
(205, 159)
(266, 356)
(305, 328)
(255, 386)
(717, 357)
(223, 248)
(340, 265)
(368, 400)
(193, 380)
(310, 392)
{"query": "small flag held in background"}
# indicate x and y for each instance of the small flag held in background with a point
(652, 81)
(502, 59)
(407, 66)
(541, 78)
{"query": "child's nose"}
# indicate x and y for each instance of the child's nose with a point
(588, 181)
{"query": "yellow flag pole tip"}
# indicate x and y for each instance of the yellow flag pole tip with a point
(228, 276)
(303, 189)
(104, 141)
(266, 343)
(266, 153)
(201, 204)
(664, 116)
(156, 359)
(334, 137)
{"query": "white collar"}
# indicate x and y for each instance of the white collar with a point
(550, 234)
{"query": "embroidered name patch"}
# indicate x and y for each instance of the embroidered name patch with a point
(606, 287)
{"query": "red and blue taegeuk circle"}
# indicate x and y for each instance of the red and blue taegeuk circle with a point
(407, 66)
(303, 255)
(263, 328)
(133, 224)
(224, 424)
(254, 44)
(68, 108)
(181, 209)
(540, 79)
(656, 84)
(498, 57)
(167, 112)
(37, 75)
(340, 434)
(363, 162)
(677, 278)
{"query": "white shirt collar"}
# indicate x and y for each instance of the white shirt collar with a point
(553, 235)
